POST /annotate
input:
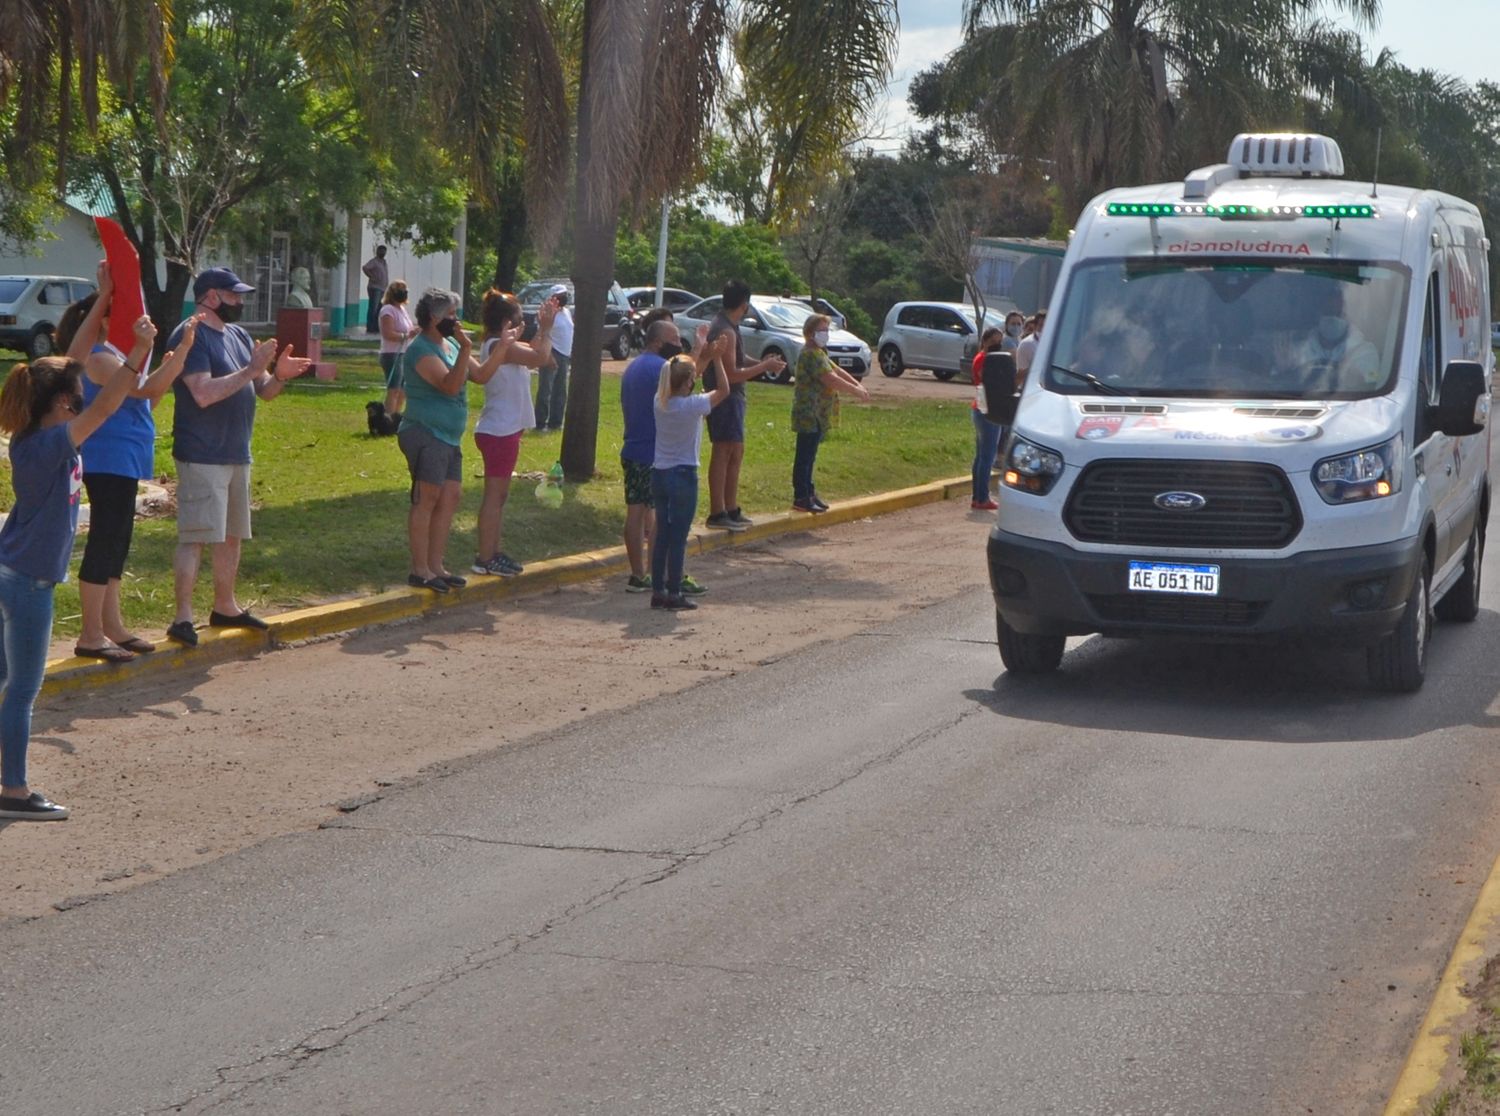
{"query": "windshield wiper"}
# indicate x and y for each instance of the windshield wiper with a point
(1092, 380)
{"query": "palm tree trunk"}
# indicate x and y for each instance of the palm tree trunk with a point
(592, 273)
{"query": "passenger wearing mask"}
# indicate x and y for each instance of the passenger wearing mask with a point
(1015, 322)
(1026, 349)
(396, 332)
(1334, 356)
(814, 407)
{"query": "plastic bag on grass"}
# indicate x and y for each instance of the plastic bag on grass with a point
(549, 493)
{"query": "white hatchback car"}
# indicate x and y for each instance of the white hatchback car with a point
(941, 336)
(30, 306)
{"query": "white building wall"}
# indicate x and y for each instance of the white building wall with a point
(75, 251)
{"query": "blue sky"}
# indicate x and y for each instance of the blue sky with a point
(1459, 37)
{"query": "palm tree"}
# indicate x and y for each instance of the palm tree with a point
(52, 56)
(1112, 93)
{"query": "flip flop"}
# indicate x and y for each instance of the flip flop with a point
(137, 644)
(108, 654)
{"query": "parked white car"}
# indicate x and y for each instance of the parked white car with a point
(30, 306)
(940, 336)
(772, 326)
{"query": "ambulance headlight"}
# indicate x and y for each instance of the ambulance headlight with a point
(1366, 474)
(1031, 468)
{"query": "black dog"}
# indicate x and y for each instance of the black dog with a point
(378, 421)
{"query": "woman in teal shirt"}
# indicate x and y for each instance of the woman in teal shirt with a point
(439, 362)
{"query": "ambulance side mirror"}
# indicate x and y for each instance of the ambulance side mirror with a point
(998, 376)
(1463, 406)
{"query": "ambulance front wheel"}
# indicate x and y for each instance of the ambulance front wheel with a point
(1023, 653)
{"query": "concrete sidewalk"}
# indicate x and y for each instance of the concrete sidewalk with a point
(215, 645)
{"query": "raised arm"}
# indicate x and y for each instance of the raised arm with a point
(88, 330)
(106, 403)
(159, 381)
(449, 381)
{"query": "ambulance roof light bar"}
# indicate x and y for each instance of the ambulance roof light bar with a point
(1286, 155)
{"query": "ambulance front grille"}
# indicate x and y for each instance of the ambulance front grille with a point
(1246, 505)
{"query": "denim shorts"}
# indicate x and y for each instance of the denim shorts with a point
(726, 422)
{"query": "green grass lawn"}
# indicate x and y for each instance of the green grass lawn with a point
(330, 501)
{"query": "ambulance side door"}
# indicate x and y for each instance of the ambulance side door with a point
(1434, 449)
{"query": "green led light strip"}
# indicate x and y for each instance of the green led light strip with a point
(1230, 212)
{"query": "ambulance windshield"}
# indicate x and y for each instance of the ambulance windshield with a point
(1229, 328)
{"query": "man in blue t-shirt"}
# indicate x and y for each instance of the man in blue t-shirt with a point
(215, 396)
(638, 402)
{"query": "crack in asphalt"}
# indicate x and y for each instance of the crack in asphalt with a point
(474, 838)
(234, 1080)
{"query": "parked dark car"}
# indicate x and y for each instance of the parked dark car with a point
(617, 312)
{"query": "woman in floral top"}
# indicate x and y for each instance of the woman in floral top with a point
(814, 405)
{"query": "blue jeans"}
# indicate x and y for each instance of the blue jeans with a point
(25, 634)
(987, 437)
(675, 494)
(802, 464)
(552, 393)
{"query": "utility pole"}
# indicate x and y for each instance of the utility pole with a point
(661, 254)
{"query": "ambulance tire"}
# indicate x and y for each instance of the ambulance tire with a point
(1398, 663)
(1023, 653)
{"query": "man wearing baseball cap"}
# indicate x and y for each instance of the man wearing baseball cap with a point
(224, 374)
(552, 382)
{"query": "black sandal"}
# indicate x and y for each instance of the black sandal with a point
(110, 654)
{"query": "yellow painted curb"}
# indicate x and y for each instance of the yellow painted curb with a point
(70, 675)
(1430, 1053)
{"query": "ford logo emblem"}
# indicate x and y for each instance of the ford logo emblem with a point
(1179, 501)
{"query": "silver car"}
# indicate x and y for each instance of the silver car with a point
(772, 326)
(941, 336)
(30, 306)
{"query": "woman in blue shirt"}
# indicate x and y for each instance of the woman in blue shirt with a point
(120, 456)
(42, 409)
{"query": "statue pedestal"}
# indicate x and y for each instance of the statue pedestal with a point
(303, 331)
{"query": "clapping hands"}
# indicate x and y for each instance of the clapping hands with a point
(289, 367)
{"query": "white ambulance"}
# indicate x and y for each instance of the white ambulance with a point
(1257, 412)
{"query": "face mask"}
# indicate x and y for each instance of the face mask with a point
(229, 314)
(1014, 329)
(670, 349)
(399, 296)
(1332, 330)
(448, 326)
(821, 337)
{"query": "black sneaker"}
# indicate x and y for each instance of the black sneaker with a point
(818, 503)
(243, 620)
(737, 520)
(804, 506)
(719, 520)
(37, 807)
(509, 566)
(436, 584)
(454, 580)
(184, 633)
(660, 600)
(679, 603)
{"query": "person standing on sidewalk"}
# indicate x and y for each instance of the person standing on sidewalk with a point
(41, 408)
(987, 434)
(121, 454)
(377, 279)
(814, 407)
(223, 376)
(505, 369)
(552, 382)
(1026, 349)
(674, 472)
(638, 389)
(726, 423)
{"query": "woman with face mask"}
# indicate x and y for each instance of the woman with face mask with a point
(42, 409)
(396, 331)
(1014, 323)
(814, 407)
(506, 367)
(439, 362)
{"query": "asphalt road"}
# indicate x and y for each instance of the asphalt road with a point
(873, 877)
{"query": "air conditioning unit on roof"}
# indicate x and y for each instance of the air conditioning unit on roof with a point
(1286, 155)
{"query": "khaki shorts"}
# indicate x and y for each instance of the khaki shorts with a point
(213, 502)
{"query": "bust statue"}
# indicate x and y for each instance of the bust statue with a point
(297, 297)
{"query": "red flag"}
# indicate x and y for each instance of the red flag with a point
(125, 269)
